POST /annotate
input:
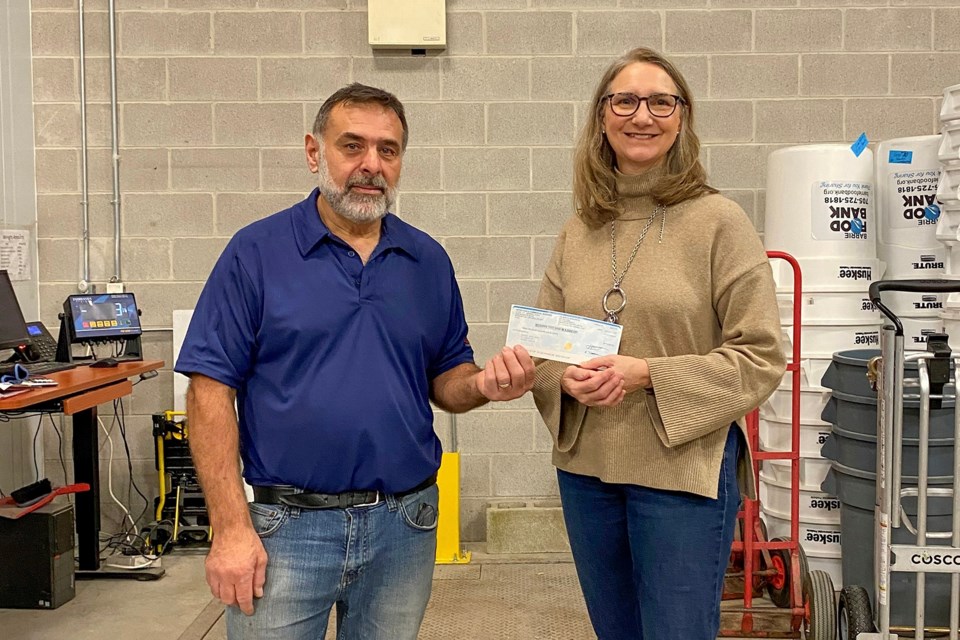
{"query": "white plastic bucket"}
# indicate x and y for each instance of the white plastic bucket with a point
(820, 202)
(950, 110)
(906, 189)
(951, 326)
(843, 307)
(950, 143)
(815, 506)
(818, 537)
(952, 303)
(828, 273)
(811, 373)
(916, 305)
(952, 266)
(823, 340)
(832, 565)
(903, 262)
(948, 224)
(778, 408)
(916, 330)
(948, 189)
(776, 431)
(813, 471)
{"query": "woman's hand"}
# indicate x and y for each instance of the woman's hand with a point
(593, 388)
(635, 372)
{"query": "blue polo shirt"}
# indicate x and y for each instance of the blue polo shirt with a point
(331, 359)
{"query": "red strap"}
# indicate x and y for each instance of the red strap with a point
(58, 491)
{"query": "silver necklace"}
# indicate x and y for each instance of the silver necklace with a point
(612, 315)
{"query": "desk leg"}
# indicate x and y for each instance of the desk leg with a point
(86, 468)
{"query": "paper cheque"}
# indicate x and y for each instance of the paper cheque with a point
(561, 336)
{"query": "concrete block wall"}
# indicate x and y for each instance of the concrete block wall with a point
(216, 95)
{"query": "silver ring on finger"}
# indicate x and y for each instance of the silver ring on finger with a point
(505, 385)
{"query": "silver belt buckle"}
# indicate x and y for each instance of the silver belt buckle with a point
(378, 498)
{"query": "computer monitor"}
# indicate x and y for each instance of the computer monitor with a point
(102, 317)
(13, 328)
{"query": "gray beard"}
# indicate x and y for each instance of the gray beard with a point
(356, 207)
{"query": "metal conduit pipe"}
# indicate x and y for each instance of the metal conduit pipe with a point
(115, 140)
(84, 283)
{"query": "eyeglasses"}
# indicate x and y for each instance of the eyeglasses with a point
(661, 105)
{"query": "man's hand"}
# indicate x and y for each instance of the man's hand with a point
(593, 388)
(507, 376)
(237, 568)
(636, 372)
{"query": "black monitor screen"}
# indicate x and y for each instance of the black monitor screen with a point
(108, 316)
(13, 329)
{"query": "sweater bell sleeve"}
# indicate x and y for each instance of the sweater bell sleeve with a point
(562, 414)
(694, 395)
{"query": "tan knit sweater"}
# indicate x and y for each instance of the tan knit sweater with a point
(701, 309)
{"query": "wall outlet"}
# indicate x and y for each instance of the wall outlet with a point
(115, 287)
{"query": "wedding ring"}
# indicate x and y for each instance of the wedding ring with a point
(504, 386)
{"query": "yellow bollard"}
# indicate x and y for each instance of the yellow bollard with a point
(449, 550)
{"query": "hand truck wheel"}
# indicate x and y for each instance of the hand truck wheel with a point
(820, 614)
(778, 586)
(854, 615)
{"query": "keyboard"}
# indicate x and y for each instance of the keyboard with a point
(36, 368)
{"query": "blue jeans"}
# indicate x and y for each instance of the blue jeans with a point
(374, 563)
(651, 562)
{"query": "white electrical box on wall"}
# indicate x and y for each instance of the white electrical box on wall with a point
(407, 24)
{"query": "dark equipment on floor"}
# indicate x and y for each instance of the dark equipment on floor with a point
(36, 559)
(181, 511)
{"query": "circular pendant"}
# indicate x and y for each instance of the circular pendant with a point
(615, 290)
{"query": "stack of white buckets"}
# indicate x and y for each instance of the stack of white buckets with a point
(819, 209)
(849, 222)
(907, 174)
(948, 193)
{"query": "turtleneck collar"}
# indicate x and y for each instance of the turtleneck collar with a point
(634, 192)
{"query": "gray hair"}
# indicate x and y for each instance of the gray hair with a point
(357, 93)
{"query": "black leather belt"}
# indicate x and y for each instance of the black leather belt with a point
(279, 494)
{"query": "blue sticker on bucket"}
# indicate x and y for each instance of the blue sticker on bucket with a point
(900, 157)
(861, 144)
(932, 212)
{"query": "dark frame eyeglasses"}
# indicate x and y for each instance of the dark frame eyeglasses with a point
(660, 105)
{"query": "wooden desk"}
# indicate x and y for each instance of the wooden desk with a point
(78, 393)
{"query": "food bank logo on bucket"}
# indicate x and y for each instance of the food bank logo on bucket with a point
(912, 198)
(840, 211)
(852, 221)
(923, 209)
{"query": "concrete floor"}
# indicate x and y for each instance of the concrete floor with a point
(492, 598)
(536, 598)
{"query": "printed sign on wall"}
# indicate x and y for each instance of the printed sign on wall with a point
(15, 253)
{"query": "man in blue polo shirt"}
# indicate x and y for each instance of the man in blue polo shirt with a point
(331, 325)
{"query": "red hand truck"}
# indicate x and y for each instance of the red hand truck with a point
(800, 599)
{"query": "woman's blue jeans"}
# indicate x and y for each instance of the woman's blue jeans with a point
(651, 562)
(374, 563)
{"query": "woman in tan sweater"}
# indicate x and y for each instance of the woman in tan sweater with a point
(647, 442)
